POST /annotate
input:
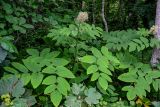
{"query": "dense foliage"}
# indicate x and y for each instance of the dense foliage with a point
(55, 53)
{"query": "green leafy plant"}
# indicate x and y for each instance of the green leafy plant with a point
(92, 96)
(156, 103)
(100, 65)
(18, 23)
(81, 96)
(49, 70)
(120, 104)
(6, 46)
(74, 33)
(75, 99)
(22, 21)
(132, 40)
(120, 77)
(140, 77)
(143, 102)
(75, 36)
(12, 93)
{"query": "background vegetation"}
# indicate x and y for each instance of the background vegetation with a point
(57, 53)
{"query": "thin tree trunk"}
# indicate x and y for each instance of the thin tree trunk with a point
(156, 52)
(103, 16)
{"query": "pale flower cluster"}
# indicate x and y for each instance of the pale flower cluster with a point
(153, 29)
(82, 17)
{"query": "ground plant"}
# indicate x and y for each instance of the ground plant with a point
(79, 53)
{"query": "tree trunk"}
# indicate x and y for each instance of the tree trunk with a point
(103, 16)
(156, 52)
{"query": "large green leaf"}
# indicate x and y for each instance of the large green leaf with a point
(49, 70)
(50, 89)
(49, 80)
(143, 84)
(62, 86)
(145, 41)
(127, 88)
(128, 77)
(88, 59)
(36, 79)
(20, 67)
(52, 55)
(26, 77)
(109, 55)
(62, 89)
(11, 70)
(59, 62)
(140, 91)
(113, 59)
(32, 65)
(64, 72)
(64, 82)
(56, 98)
(132, 46)
(107, 77)
(92, 69)
(96, 52)
(103, 62)
(154, 75)
(44, 52)
(104, 50)
(148, 79)
(33, 52)
(95, 76)
(103, 83)
(8, 46)
(104, 69)
(155, 85)
(131, 94)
